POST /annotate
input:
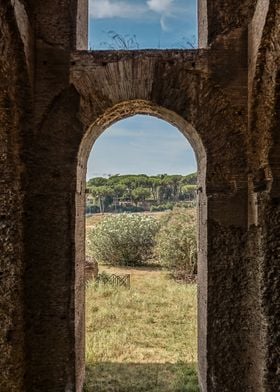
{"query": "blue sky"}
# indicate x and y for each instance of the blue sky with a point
(155, 23)
(142, 144)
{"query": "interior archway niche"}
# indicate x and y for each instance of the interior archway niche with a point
(110, 116)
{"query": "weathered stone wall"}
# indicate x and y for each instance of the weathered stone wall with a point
(264, 153)
(53, 364)
(55, 102)
(14, 122)
(221, 17)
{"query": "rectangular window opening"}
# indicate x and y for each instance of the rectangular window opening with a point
(142, 24)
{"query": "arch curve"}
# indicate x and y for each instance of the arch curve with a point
(131, 108)
(113, 114)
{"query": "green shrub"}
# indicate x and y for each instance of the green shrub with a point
(124, 239)
(176, 245)
(162, 207)
(122, 209)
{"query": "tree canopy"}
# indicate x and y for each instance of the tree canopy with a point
(140, 189)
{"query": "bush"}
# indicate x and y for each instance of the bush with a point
(121, 209)
(176, 245)
(162, 207)
(123, 239)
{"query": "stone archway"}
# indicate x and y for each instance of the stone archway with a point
(181, 87)
(110, 116)
(52, 94)
(115, 85)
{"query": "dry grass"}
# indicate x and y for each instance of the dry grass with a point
(142, 339)
(96, 218)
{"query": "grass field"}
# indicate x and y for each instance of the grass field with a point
(142, 339)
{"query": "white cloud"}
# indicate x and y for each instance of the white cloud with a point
(165, 9)
(160, 6)
(163, 23)
(100, 9)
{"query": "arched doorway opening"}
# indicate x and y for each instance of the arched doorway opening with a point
(141, 309)
(119, 112)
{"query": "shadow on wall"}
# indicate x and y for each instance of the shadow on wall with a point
(141, 377)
